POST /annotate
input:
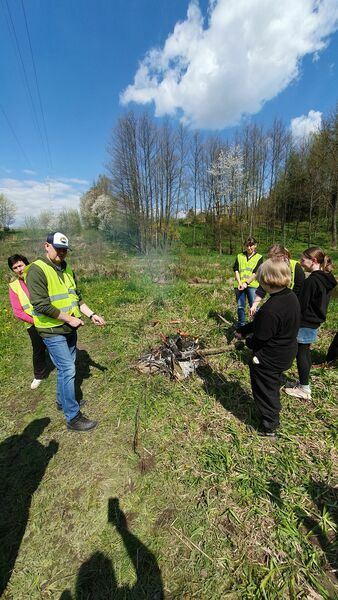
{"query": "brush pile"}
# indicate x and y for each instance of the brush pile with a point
(176, 357)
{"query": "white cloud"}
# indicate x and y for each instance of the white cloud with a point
(74, 180)
(303, 126)
(29, 172)
(32, 196)
(248, 52)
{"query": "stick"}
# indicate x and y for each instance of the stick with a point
(209, 351)
(223, 319)
(189, 543)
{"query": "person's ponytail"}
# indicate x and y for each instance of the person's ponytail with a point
(323, 259)
(327, 264)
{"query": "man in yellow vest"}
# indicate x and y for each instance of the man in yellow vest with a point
(57, 308)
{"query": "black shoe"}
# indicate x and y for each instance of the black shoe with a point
(81, 423)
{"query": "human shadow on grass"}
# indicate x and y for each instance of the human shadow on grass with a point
(83, 364)
(230, 395)
(322, 533)
(96, 579)
(23, 462)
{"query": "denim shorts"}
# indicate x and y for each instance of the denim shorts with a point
(306, 335)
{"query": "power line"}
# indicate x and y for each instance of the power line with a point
(15, 136)
(37, 87)
(25, 76)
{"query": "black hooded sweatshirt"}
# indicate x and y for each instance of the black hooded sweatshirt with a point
(314, 298)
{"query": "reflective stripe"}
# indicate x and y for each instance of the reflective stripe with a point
(25, 306)
(58, 297)
(247, 266)
(61, 294)
(66, 309)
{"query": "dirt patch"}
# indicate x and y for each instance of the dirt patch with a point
(165, 518)
(146, 464)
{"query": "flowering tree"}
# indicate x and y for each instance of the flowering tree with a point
(227, 182)
(7, 211)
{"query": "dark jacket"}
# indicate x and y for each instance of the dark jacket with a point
(314, 298)
(275, 329)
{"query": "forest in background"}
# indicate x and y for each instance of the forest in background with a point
(164, 183)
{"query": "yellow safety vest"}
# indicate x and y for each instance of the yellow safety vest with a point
(246, 267)
(292, 264)
(23, 299)
(62, 295)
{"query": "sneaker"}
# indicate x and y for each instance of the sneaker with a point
(81, 423)
(298, 392)
(269, 433)
(35, 383)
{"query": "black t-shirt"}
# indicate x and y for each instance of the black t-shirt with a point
(275, 329)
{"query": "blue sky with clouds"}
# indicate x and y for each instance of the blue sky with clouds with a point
(209, 64)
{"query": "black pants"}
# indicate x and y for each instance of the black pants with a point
(332, 353)
(39, 354)
(304, 363)
(265, 385)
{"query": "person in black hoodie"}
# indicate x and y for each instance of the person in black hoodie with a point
(274, 341)
(314, 300)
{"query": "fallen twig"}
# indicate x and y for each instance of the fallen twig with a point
(191, 544)
(223, 319)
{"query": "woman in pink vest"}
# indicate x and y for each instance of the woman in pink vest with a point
(22, 309)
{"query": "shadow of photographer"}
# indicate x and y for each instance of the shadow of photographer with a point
(96, 579)
(23, 462)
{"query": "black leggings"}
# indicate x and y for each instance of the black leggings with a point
(39, 354)
(304, 363)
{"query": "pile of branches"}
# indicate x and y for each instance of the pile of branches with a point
(177, 357)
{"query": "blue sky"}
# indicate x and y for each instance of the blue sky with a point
(205, 63)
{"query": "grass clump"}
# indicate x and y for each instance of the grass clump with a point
(174, 493)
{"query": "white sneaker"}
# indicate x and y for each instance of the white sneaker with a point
(298, 392)
(35, 383)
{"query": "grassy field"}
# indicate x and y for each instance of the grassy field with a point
(174, 494)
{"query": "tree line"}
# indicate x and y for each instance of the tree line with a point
(262, 178)
(161, 177)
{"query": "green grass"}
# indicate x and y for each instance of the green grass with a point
(221, 512)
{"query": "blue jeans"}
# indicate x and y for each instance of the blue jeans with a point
(62, 351)
(250, 293)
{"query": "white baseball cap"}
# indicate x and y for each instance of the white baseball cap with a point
(58, 240)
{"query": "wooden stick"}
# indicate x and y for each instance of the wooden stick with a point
(223, 319)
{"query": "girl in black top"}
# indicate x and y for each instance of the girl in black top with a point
(274, 342)
(314, 300)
